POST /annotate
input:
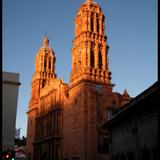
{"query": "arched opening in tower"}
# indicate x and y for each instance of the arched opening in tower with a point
(97, 22)
(49, 66)
(45, 66)
(92, 58)
(100, 59)
(92, 23)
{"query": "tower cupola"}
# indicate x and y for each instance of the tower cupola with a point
(45, 60)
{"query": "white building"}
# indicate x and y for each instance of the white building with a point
(10, 86)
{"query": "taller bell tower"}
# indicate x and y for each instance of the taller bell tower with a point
(90, 90)
(90, 49)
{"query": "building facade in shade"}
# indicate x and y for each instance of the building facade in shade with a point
(133, 129)
(10, 87)
(64, 119)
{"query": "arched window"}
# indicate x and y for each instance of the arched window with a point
(92, 58)
(97, 22)
(43, 83)
(45, 66)
(92, 23)
(100, 59)
(49, 65)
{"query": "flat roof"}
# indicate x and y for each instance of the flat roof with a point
(10, 77)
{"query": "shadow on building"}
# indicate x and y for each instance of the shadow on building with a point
(133, 129)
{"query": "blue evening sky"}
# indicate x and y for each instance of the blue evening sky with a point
(130, 25)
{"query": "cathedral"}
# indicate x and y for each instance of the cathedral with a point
(64, 119)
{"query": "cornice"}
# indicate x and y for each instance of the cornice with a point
(12, 82)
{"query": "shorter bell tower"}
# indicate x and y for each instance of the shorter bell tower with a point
(44, 72)
(44, 69)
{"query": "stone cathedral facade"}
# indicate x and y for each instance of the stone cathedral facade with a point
(64, 119)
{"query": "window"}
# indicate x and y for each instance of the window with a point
(43, 83)
(92, 58)
(49, 65)
(44, 66)
(92, 23)
(97, 22)
(100, 59)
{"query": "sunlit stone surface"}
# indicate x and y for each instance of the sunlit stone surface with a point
(64, 119)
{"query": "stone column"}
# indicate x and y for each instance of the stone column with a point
(95, 23)
(101, 24)
(104, 60)
(89, 21)
(89, 53)
(47, 64)
(85, 17)
(51, 69)
(42, 63)
(83, 52)
(107, 59)
(86, 55)
(80, 24)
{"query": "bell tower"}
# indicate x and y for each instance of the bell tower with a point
(44, 72)
(44, 69)
(90, 49)
(90, 91)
